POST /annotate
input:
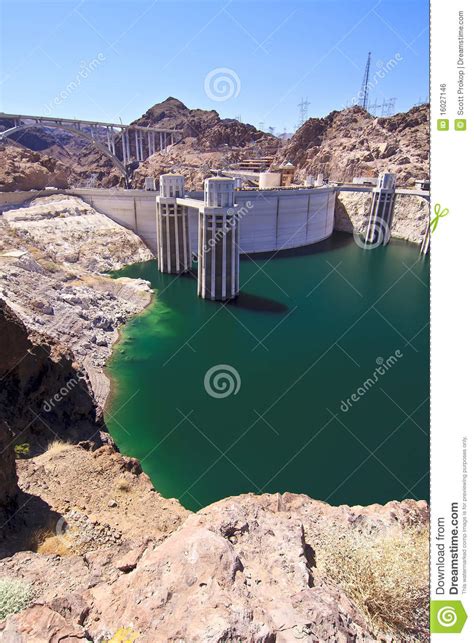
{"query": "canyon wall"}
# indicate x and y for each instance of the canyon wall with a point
(409, 221)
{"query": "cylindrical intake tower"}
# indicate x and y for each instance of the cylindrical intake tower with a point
(218, 244)
(380, 217)
(172, 226)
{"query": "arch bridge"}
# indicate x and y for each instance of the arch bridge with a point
(123, 144)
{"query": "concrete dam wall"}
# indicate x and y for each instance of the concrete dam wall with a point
(278, 219)
(269, 220)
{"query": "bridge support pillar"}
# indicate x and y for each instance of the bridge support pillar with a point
(380, 218)
(218, 244)
(172, 225)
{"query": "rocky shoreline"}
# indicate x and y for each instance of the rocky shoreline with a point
(93, 551)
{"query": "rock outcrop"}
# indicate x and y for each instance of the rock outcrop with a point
(341, 145)
(22, 169)
(246, 568)
(93, 498)
(410, 216)
(208, 142)
(53, 256)
(45, 395)
(354, 143)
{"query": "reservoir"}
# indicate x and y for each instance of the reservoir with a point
(217, 400)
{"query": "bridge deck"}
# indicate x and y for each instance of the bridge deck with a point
(72, 121)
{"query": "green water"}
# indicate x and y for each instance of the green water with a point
(304, 335)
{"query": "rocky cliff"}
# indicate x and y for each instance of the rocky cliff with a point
(410, 216)
(53, 256)
(8, 477)
(208, 142)
(355, 143)
(33, 370)
(22, 169)
(249, 568)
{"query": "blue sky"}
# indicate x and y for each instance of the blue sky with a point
(135, 53)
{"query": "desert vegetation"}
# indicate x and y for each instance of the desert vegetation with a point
(385, 573)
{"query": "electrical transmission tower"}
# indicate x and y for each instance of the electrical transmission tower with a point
(388, 106)
(364, 90)
(303, 111)
(374, 107)
(422, 101)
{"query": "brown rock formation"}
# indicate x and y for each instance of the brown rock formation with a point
(342, 145)
(209, 142)
(53, 252)
(355, 143)
(33, 370)
(22, 169)
(246, 568)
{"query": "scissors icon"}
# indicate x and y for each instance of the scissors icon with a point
(439, 214)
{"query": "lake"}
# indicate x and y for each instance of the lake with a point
(279, 390)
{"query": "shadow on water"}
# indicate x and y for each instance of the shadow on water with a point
(336, 241)
(246, 300)
(259, 304)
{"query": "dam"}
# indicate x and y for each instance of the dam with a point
(275, 219)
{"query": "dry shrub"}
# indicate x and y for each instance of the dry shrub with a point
(48, 543)
(386, 574)
(123, 484)
(57, 446)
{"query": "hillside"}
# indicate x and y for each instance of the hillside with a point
(341, 145)
(208, 142)
(355, 143)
